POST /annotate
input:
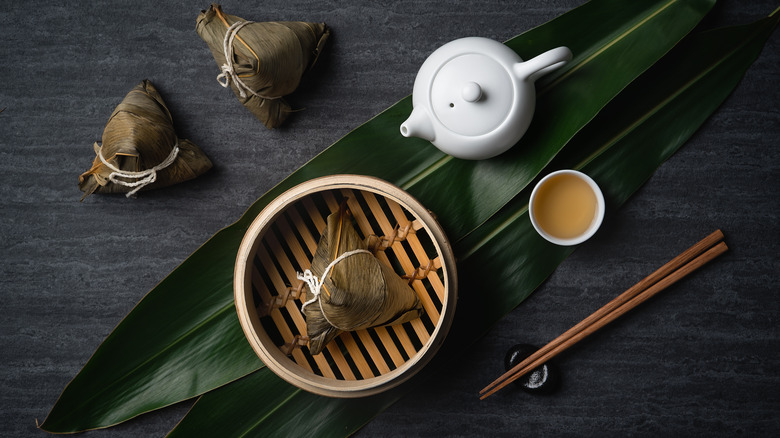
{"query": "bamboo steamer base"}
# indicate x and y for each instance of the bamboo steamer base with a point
(281, 242)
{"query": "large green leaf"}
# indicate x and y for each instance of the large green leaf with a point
(182, 339)
(613, 43)
(505, 259)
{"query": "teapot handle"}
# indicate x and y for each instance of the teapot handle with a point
(540, 65)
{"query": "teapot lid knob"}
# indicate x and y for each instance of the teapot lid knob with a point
(471, 92)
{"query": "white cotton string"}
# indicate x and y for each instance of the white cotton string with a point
(315, 284)
(144, 177)
(228, 72)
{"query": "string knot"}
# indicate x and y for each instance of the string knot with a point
(228, 74)
(315, 284)
(144, 177)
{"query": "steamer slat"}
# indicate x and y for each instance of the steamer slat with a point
(420, 253)
(278, 320)
(400, 253)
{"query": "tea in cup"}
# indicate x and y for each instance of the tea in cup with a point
(566, 207)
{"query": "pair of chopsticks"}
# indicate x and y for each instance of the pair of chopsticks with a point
(680, 266)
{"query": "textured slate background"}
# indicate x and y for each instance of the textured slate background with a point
(702, 359)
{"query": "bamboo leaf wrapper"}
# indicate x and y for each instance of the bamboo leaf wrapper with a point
(261, 62)
(358, 291)
(140, 149)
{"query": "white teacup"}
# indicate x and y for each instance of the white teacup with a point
(566, 207)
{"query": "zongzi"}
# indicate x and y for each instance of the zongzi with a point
(349, 288)
(261, 62)
(140, 149)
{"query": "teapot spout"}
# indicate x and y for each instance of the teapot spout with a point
(418, 125)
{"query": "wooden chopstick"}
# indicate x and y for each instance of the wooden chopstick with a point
(682, 265)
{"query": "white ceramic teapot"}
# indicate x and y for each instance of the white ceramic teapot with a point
(474, 97)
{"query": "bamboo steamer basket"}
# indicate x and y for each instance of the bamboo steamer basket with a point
(281, 241)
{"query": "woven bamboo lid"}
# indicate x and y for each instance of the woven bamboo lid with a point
(282, 240)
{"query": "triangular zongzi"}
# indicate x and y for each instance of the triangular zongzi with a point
(357, 291)
(261, 62)
(140, 149)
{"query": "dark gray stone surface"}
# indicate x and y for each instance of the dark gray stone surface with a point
(701, 359)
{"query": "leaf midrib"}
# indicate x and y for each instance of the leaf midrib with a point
(682, 89)
(613, 40)
(284, 402)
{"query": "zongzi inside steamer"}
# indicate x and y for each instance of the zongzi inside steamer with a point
(357, 291)
(140, 149)
(261, 62)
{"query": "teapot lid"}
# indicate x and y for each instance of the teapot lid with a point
(472, 94)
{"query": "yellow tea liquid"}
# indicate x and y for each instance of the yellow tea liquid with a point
(564, 206)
